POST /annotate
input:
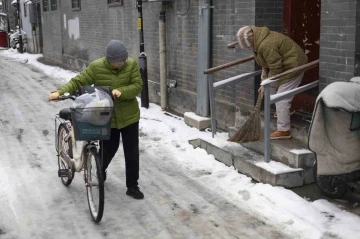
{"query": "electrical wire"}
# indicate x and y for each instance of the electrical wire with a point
(184, 13)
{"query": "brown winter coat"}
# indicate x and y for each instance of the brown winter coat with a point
(277, 52)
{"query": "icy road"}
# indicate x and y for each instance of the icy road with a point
(182, 199)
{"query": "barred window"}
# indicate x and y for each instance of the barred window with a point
(76, 4)
(53, 5)
(25, 9)
(115, 2)
(45, 5)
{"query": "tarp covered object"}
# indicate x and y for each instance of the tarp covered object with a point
(337, 148)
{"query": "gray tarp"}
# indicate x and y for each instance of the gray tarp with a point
(336, 147)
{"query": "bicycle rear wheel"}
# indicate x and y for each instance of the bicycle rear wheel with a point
(66, 147)
(94, 184)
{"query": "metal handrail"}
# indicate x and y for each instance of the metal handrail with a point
(227, 65)
(271, 99)
(268, 99)
(221, 84)
(235, 79)
(232, 45)
(294, 70)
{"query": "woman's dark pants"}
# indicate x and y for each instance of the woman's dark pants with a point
(130, 140)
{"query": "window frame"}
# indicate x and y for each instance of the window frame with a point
(25, 9)
(45, 5)
(55, 4)
(76, 8)
(113, 4)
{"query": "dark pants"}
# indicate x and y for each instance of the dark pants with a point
(130, 140)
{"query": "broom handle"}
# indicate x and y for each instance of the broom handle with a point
(258, 102)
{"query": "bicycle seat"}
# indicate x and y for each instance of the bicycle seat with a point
(65, 114)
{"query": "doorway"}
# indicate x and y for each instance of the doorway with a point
(302, 24)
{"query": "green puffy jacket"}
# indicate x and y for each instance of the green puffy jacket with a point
(277, 52)
(127, 80)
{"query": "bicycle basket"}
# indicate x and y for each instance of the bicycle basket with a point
(91, 123)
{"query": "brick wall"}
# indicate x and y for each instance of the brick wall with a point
(86, 32)
(182, 51)
(52, 38)
(228, 17)
(357, 45)
(339, 23)
(10, 10)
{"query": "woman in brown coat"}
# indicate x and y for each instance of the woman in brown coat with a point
(275, 53)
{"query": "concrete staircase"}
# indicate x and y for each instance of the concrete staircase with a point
(291, 161)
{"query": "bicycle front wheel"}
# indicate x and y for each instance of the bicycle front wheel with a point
(66, 147)
(94, 184)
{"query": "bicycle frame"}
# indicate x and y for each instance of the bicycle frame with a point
(77, 158)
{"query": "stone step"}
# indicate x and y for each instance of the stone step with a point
(300, 124)
(252, 164)
(291, 152)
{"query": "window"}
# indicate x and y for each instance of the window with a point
(76, 4)
(3, 24)
(45, 5)
(53, 5)
(25, 9)
(115, 2)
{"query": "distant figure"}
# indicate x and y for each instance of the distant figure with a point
(275, 53)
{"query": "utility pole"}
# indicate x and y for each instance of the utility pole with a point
(142, 58)
(19, 24)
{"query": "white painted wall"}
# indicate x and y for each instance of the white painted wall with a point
(26, 26)
(73, 28)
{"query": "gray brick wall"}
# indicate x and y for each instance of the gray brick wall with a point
(10, 10)
(52, 38)
(98, 23)
(357, 45)
(228, 17)
(339, 23)
(182, 50)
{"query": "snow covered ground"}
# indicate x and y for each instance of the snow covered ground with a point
(188, 194)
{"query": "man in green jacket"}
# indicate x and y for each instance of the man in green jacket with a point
(275, 53)
(122, 75)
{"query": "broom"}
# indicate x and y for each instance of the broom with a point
(250, 130)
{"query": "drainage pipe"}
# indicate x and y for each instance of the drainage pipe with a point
(162, 49)
(204, 56)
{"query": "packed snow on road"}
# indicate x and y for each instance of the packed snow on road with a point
(188, 194)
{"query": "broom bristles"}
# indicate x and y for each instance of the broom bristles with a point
(251, 129)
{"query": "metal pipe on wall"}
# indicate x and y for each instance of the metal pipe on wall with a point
(162, 49)
(204, 54)
(142, 57)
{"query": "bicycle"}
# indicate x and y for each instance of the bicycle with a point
(70, 128)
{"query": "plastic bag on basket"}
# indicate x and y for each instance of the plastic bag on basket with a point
(94, 108)
(96, 99)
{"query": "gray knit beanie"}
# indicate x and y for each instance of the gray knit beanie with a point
(116, 51)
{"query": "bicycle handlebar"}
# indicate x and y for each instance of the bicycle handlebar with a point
(65, 97)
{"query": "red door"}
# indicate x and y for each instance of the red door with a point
(302, 24)
(3, 39)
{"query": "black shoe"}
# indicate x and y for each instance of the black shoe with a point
(135, 192)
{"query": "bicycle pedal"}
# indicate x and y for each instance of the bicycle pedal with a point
(63, 173)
